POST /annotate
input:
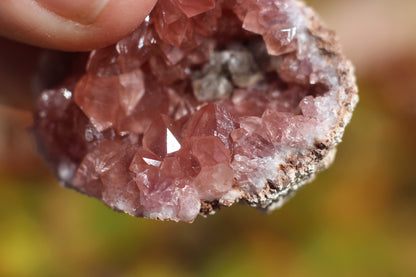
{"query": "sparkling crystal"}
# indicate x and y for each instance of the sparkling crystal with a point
(162, 137)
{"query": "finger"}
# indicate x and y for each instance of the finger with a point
(71, 25)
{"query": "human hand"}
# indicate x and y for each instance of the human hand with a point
(71, 25)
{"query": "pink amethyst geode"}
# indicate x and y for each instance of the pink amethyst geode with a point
(205, 104)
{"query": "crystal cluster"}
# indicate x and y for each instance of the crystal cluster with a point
(206, 103)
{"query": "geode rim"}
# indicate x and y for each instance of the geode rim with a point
(302, 169)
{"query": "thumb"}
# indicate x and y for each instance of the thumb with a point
(71, 25)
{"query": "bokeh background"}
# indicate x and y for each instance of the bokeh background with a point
(356, 219)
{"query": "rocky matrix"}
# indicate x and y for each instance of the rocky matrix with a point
(207, 103)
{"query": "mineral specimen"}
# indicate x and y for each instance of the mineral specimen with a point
(205, 104)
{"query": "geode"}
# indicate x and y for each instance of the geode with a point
(207, 103)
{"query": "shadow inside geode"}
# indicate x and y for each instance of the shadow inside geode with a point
(25, 71)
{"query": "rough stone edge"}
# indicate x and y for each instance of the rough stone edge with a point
(302, 169)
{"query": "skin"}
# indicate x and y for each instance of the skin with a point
(50, 26)
(29, 26)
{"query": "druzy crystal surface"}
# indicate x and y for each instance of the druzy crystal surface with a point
(206, 103)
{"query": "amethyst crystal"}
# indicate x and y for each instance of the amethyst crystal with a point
(205, 104)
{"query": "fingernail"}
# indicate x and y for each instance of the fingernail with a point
(81, 11)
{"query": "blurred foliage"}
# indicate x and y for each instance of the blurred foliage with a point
(356, 219)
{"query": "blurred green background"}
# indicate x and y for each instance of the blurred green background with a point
(356, 219)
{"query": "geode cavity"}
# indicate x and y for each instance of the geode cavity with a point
(207, 103)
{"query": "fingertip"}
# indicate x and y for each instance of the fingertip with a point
(51, 26)
(118, 19)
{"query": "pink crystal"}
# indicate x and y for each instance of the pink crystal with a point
(192, 7)
(99, 100)
(104, 173)
(205, 104)
(280, 40)
(251, 140)
(210, 150)
(152, 104)
(212, 120)
(162, 137)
